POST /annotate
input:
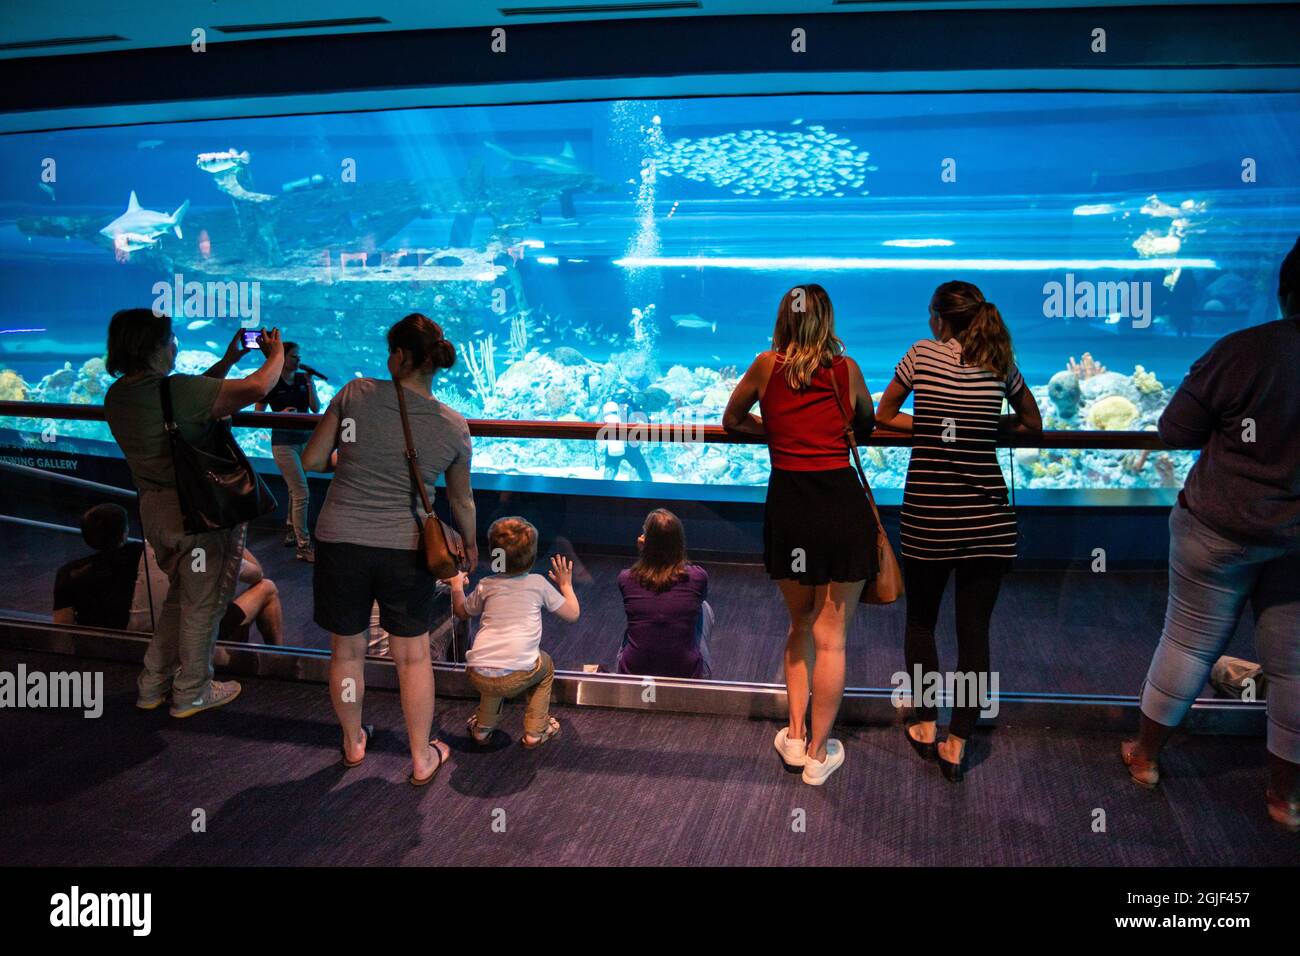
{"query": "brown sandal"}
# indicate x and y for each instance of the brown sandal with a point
(366, 731)
(552, 730)
(1143, 772)
(1285, 813)
(475, 730)
(436, 746)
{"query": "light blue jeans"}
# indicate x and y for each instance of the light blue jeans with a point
(1210, 580)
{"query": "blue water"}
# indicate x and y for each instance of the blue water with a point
(743, 196)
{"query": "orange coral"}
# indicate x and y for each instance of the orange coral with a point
(1085, 369)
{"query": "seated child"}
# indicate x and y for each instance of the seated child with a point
(506, 658)
(668, 619)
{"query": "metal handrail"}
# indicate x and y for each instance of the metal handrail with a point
(68, 479)
(51, 526)
(596, 431)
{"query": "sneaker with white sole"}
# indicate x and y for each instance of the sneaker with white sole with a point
(218, 693)
(792, 751)
(816, 772)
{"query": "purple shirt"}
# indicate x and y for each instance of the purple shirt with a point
(662, 637)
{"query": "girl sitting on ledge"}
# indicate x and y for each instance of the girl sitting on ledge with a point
(668, 618)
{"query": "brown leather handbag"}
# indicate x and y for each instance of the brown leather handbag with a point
(443, 547)
(888, 584)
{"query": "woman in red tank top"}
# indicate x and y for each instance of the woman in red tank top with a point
(819, 535)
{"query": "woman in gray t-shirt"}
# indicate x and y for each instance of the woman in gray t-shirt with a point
(368, 534)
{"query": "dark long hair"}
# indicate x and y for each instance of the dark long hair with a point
(663, 556)
(977, 325)
(423, 341)
(134, 335)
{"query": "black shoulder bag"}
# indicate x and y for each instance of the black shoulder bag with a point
(215, 483)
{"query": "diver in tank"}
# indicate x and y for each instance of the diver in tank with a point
(624, 448)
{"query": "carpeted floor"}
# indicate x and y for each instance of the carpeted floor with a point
(615, 788)
(1053, 631)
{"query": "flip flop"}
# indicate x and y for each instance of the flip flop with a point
(366, 732)
(415, 781)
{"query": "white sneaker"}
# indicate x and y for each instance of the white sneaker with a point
(816, 772)
(791, 751)
(218, 693)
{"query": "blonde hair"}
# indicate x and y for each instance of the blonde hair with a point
(978, 326)
(517, 540)
(805, 333)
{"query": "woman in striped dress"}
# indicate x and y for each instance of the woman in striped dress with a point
(956, 519)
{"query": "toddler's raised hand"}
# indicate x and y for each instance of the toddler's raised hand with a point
(561, 571)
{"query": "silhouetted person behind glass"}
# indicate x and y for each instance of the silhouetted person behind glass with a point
(97, 590)
(1234, 538)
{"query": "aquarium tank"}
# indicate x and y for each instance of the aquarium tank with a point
(623, 260)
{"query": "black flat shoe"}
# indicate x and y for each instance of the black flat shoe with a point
(923, 750)
(952, 772)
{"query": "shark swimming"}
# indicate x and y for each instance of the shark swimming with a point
(141, 227)
(566, 162)
(286, 246)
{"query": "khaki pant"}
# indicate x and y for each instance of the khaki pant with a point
(289, 460)
(202, 573)
(494, 690)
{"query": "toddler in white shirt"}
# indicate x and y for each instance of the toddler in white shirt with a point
(506, 658)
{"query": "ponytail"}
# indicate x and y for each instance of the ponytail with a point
(977, 325)
(987, 342)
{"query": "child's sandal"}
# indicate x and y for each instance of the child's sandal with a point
(479, 735)
(552, 730)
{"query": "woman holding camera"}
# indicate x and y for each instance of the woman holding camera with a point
(202, 569)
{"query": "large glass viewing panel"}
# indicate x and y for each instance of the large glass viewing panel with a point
(1074, 627)
(624, 259)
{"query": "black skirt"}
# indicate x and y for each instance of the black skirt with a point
(818, 527)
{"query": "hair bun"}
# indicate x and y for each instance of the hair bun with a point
(444, 353)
